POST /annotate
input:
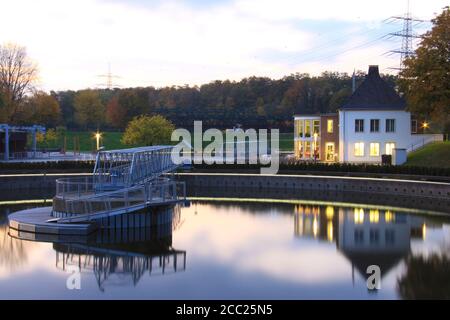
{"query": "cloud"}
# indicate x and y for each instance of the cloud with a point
(212, 235)
(349, 10)
(176, 42)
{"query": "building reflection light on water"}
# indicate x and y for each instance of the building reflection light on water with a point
(365, 237)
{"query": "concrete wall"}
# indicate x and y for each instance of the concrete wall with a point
(423, 189)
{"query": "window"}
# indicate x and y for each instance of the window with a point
(389, 235)
(359, 149)
(374, 236)
(390, 146)
(359, 236)
(330, 126)
(374, 149)
(374, 125)
(316, 126)
(390, 125)
(299, 147)
(359, 125)
(329, 151)
(413, 126)
(307, 153)
(300, 128)
(307, 128)
(316, 150)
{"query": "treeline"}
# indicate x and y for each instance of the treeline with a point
(255, 102)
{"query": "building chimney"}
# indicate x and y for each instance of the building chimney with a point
(373, 71)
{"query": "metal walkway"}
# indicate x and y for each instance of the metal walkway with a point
(123, 181)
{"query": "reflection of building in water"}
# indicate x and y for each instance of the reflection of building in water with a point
(316, 221)
(366, 236)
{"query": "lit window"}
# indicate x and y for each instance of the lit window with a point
(359, 149)
(374, 216)
(359, 125)
(389, 216)
(374, 125)
(307, 128)
(390, 146)
(316, 126)
(307, 153)
(330, 126)
(330, 231)
(374, 149)
(390, 125)
(329, 212)
(300, 128)
(358, 215)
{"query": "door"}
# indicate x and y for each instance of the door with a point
(329, 151)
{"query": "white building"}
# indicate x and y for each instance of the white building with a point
(371, 123)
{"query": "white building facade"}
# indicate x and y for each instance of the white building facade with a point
(372, 123)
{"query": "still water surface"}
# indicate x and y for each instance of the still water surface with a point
(240, 250)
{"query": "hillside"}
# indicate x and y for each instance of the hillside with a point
(433, 155)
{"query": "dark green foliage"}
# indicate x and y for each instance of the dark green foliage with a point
(50, 166)
(292, 168)
(254, 102)
(299, 167)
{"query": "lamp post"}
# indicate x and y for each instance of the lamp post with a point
(97, 137)
(315, 145)
(425, 126)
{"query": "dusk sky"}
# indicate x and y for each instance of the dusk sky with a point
(159, 43)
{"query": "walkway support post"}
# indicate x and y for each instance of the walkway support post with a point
(6, 143)
(34, 142)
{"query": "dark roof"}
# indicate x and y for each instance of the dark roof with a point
(374, 94)
(386, 261)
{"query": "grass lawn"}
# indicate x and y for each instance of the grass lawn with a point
(87, 141)
(433, 155)
(111, 140)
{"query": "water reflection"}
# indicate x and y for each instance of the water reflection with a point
(116, 257)
(364, 236)
(241, 249)
(426, 277)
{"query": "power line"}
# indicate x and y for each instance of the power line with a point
(406, 34)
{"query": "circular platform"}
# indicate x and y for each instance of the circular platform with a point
(36, 221)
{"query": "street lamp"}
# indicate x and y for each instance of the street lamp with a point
(315, 145)
(425, 126)
(98, 135)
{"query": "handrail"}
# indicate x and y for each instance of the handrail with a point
(146, 197)
(425, 140)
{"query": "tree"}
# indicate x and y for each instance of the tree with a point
(48, 139)
(260, 108)
(89, 110)
(17, 76)
(425, 79)
(43, 109)
(147, 131)
(115, 113)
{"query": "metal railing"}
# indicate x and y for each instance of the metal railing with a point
(87, 207)
(425, 140)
